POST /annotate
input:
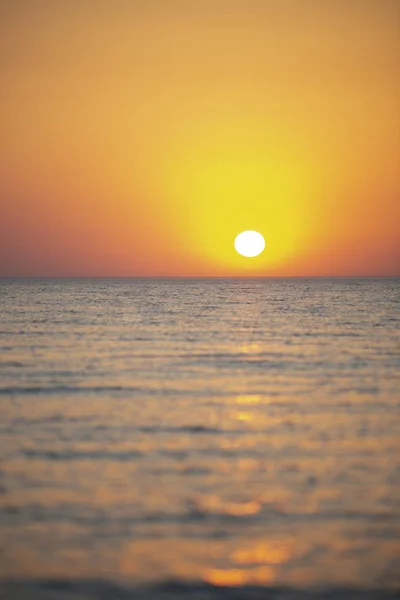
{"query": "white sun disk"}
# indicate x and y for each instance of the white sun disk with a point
(249, 243)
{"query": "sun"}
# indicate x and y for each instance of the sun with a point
(249, 243)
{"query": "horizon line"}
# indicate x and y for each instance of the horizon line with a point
(38, 277)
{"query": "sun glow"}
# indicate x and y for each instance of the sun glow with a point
(249, 243)
(247, 128)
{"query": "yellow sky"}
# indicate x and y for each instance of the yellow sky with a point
(139, 137)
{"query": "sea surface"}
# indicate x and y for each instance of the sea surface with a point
(199, 438)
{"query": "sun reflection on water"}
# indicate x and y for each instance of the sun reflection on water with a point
(264, 553)
(256, 564)
(238, 577)
(244, 416)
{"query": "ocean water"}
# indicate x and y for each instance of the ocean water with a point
(199, 438)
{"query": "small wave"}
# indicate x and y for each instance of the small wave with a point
(182, 429)
(57, 589)
(11, 364)
(107, 389)
(5, 391)
(214, 508)
(77, 455)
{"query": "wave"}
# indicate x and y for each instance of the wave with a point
(59, 589)
(57, 389)
(86, 389)
(87, 455)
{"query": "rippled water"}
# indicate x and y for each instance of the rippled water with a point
(231, 432)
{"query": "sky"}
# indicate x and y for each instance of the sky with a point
(139, 137)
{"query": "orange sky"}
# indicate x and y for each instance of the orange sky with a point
(138, 137)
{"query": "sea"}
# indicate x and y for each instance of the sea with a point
(199, 439)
